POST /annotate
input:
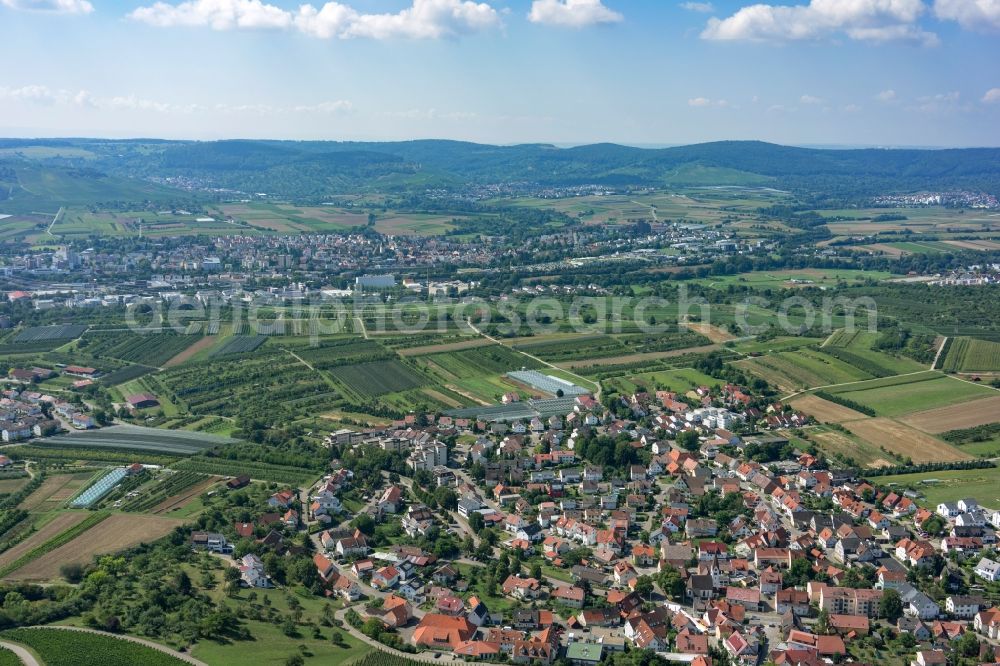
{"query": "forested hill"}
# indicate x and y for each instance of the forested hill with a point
(316, 168)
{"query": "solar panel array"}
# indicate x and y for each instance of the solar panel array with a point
(99, 489)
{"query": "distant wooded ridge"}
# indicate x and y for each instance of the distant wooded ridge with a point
(317, 168)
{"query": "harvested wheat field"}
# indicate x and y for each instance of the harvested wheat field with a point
(965, 415)
(832, 442)
(8, 486)
(57, 525)
(887, 249)
(965, 245)
(826, 411)
(113, 534)
(904, 441)
(713, 333)
(51, 488)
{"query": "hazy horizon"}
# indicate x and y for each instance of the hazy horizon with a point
(4, 135)
(868, 72)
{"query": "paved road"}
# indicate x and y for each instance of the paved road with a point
(26, 657)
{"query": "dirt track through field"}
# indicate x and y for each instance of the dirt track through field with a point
(826, 411)
(118, 532)
(904, 441)
(954, 417)
(57, 525)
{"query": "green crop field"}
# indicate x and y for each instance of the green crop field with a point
(153, 349)
(856, 339)
(8, 658)
(238, 344)
(972, 355)
(477, 362)
(803, 368)
(807, 277)
(63, 647)
(951, 485)
(255, 470)
(46, 333)
(896, 396)
(873, 363)
(344, 351)
(370, 380)
(680, 380)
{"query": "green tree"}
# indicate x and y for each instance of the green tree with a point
(644, 586)
(476, 522)
(688, 440)
(823, 622)
(890, 607)
(968, 645)
(671, 583)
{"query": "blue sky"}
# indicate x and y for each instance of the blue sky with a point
(826, 72)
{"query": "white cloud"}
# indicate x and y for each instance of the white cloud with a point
(45, 96)
(992, 95)
(704, 102)
(572, 13)
(41, 95)
(424, 19)
(852, 108)
(866, 20)
(886, 96)
(970, 14)
(429, 114)
(810, 99)
(53, 6)
(217, 14)
(940, 103)
(702, 7)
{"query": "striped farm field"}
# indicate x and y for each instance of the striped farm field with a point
(57, 525)
(802, 369)
(374, 379)
(972, 355)
(115, 533)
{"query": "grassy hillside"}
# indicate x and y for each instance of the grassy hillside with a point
(28, 187)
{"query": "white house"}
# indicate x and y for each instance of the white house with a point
(252, 572)
(988, 569)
